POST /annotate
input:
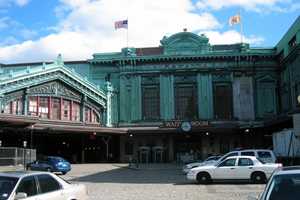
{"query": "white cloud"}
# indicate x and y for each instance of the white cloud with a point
(7, 3)
(89, 28)
(253, 5)
(231, 37)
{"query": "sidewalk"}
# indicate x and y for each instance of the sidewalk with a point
(11, 168)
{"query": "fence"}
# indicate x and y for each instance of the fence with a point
(16, 156)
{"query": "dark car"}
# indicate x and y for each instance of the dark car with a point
(284, 184)
(50, 164)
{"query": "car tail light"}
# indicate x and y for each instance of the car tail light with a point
(279, 165)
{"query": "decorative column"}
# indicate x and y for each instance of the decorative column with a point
(25, 102)
(109, 90)
(167, 98)
(205, 96)
(82, 108)
(1, 103)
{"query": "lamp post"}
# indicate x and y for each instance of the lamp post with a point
(31, 141)
(24, 153)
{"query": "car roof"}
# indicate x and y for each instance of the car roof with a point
(20, 174)
(250, 157)
(288, 170)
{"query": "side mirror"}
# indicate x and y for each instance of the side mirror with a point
(20, 195)
(252, 198)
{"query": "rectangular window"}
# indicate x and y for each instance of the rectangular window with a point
(75, 111)
(66, 110)
(43, 107)
(223, 101)
(32, 106)
(95, 118)
(292, 42)
(87, 114)
(150, 102)
(186, 101)
(55, 108)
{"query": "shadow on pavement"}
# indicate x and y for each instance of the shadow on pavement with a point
(126, 175)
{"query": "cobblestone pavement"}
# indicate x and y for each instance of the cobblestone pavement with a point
(161, 182)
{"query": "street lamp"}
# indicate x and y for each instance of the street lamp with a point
(31, 140)
(24, 153)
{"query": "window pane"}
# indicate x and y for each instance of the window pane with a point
(48, 183)
(28, 186)
(228, 163)
(66, 110)
(43, 107)
(55, 108)
(87, 114)
(248, 153)
(223, 101)
(245, 162)
(75, 111)
(32, 106)
(7, 184)
(186, 102)
(150, 102)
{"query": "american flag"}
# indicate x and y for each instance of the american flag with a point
(236, 19)
(121, 24)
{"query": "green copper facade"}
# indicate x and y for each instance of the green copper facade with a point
(233, 86)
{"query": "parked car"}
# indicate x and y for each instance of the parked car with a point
(207, 161)
(265, 155)
(38, 185)
(284, 184)
(234, 168)
(50, 164)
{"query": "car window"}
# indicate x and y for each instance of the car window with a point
(28, 186)
(245, 162)
(7, 184)
(264, 154)
(228, 155)
(285, 187)
(48, 183)
(247, 153)
(228, 163)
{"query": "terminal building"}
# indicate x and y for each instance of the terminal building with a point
(184, 99)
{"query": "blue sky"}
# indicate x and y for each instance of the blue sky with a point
(37, 30)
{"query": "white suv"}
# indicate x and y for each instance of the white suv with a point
(265, 155)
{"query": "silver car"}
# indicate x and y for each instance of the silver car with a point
(38, 185)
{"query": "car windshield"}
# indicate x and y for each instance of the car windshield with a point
(57, 159)
(7, 185)
(284, 187)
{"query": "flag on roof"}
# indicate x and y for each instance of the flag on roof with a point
(236, 19)
(121, 24)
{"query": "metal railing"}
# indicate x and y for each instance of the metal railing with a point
(16, 156)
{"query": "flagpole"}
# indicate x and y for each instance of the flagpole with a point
(127, 33)
(241, 25)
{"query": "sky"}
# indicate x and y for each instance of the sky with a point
(39, 30)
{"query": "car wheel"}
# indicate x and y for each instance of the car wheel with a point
(258, 177)
(203, 178)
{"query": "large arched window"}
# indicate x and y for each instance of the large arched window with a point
(14, 107)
